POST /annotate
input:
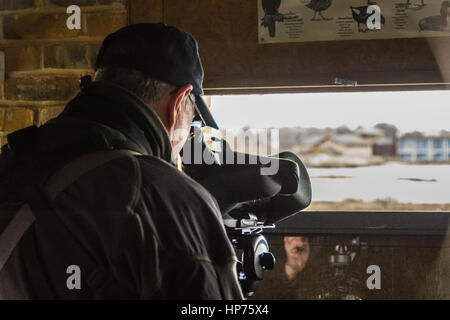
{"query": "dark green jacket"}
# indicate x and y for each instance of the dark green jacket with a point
(157, 232)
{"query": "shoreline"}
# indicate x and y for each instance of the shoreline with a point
(377, 205)
(335, 165)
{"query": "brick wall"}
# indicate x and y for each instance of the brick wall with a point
(44, 59)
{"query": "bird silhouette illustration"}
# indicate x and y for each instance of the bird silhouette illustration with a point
(318, 6)
(437, 23)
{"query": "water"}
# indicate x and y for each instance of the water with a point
(382, 182)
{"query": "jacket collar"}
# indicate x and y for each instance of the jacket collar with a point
(120, 110)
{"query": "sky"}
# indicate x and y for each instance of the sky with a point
(426, 111)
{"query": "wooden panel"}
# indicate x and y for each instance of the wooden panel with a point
(387, 223)
(234, 62)
(145, 11)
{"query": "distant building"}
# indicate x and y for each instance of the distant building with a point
(382, 145)
(385, 146)
(417, 147)
(340, 150)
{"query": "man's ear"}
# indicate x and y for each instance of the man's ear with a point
(176, 102)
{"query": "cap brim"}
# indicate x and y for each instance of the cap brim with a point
(204, 113)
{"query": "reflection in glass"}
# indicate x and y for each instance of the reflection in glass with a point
(297, 254)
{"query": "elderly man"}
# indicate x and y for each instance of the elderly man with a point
(109, 215)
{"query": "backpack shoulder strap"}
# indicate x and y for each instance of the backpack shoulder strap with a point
(11, 236)
(75, 169)
(24, 218)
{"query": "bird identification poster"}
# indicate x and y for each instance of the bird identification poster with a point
(325, 20)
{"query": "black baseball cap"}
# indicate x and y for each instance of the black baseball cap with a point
(161, 52)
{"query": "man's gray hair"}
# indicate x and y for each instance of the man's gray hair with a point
(146, 88)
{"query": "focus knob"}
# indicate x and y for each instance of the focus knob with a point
(267, 260)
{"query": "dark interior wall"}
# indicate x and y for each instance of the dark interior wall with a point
(227, 34)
